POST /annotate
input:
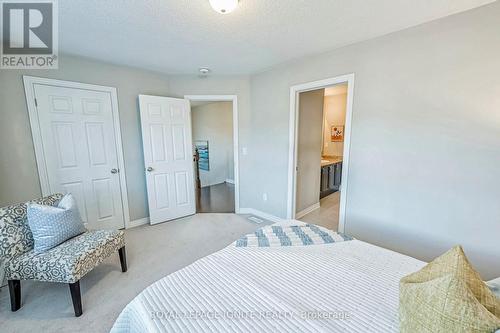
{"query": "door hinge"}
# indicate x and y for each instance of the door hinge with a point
(36, 103)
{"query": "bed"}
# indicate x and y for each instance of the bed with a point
(289, 277)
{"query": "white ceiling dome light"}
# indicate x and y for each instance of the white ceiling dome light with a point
(224, 6)
(203, 72)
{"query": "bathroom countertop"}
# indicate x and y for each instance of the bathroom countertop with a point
(329, 160)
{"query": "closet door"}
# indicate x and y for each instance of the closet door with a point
(79, 148)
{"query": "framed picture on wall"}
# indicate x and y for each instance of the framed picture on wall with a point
(337, 133)
(204, 161)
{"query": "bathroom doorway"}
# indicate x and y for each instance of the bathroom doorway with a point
(320, 124)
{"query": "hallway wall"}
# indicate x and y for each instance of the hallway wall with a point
(213, 122)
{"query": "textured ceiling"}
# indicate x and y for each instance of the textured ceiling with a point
(179, 36)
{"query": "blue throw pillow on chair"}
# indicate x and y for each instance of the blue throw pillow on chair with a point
(52, 226)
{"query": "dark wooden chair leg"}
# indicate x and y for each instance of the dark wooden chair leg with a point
(76, 296)
(15, 294)
(123, 259)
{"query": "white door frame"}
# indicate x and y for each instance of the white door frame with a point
(29, 82)
(292, 150)
(234, 99)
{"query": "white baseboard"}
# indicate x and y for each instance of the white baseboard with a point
(137, 223)
(212, 184)
(230, 181)
(306, 211)
(261, 214)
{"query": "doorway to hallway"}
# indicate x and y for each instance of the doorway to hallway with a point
(214, 124)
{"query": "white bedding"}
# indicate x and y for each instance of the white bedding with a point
(353, 285)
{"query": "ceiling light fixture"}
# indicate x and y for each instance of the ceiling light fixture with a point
(224, 6)
(203, 72)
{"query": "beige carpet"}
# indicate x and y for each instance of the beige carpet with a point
(152, 253)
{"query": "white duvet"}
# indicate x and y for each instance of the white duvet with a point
(349, 286)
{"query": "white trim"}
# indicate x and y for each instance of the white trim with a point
(292, 149)
(230, 181)
(212, 184)
(234, 99)
(308, 210)
(261, 214)
(138, 222)
(29, 82)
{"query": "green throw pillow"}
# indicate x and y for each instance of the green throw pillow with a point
(447, 295)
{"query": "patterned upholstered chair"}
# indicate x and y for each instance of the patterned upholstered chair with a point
(66, 263)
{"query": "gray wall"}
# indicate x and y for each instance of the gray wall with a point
(425, 148)
(309, 141)
(18, 174)
(213, 122)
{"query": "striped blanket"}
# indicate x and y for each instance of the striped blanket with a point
(293, 235)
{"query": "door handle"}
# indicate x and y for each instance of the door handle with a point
(149, 169)
(113, 171)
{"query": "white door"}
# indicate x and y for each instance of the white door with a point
(77, 133)
(168, 157)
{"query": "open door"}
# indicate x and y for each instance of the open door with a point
(168, 157)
